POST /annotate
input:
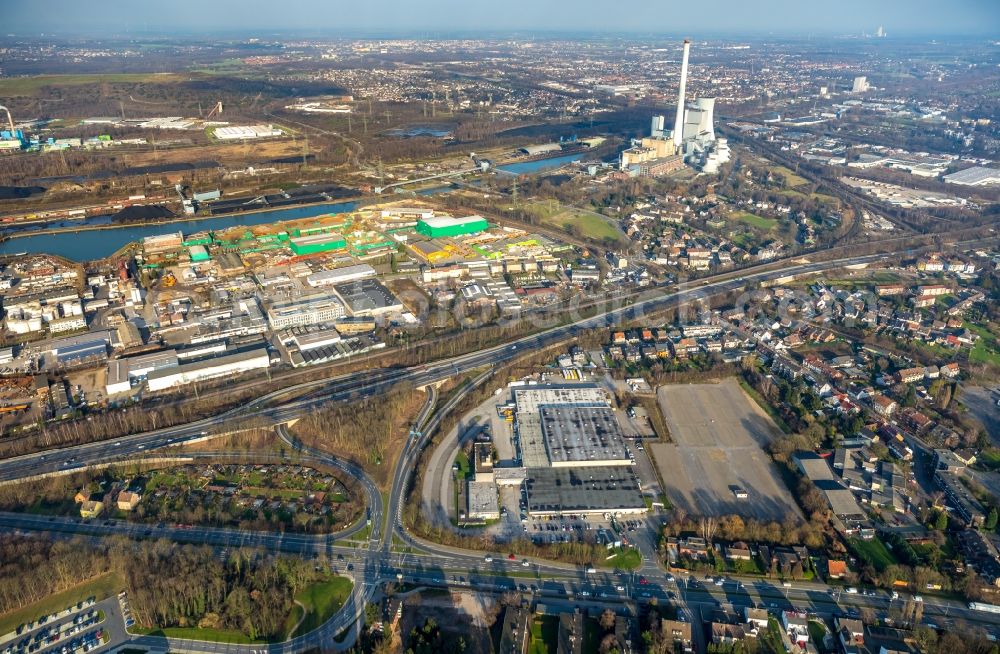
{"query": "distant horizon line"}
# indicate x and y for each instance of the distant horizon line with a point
(342, 33)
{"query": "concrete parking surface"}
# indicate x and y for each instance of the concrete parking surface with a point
(719, 439)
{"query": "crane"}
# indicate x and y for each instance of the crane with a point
(216, 109)
(10, 121)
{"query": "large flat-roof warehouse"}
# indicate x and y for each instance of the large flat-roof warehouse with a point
(573, 451)
(583, 436)
(367, 297)
(553, 491)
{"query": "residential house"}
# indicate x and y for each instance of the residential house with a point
(727, 634)
(884, 406)
(796, 625)
(850, 634)
(836, 569)
(756, 619)
(739, 551)
(91, 509)
(678, 632)
(570, 638)
(127, 500)
(515, 631)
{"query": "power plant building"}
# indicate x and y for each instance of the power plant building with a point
(692, 138)
(438, 226)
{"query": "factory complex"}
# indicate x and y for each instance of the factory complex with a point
(183, 309)
(569, 456)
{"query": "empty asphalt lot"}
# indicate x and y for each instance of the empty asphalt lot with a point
(719, 436)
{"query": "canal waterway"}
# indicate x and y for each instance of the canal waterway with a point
(99, 243)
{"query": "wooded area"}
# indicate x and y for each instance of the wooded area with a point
(169, 585)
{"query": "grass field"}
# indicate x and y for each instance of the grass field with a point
(625, 559)
(544, 635)
(99, 587)
(321, 600)
(989, 458)
(873, 552)
(752, 219)
(31, 85)
(791, 179)
(588, 224)
(986, 349)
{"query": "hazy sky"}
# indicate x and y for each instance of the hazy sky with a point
(900, 17)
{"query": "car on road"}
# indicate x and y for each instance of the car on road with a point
(525, 563)
(619, 588)
(488, 558)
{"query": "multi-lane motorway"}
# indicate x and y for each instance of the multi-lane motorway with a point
(374, 562)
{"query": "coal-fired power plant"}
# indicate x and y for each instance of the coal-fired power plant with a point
(679, 120)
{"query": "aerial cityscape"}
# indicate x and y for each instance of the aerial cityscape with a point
(548, 328)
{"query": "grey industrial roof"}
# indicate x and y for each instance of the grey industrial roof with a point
(581, 435)
(583, 490)
(366, 295)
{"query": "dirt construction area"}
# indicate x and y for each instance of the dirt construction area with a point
(718, 449)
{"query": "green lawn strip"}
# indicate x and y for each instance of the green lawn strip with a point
(100, 587)
(591, 225)
(817, 632)
(462, 461)
(592, 634)
(989, 458)
(197, 633)
(321, 600)
(292, 621)
(544, 635)
(791, 179)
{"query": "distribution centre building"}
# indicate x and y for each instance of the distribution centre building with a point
(438, 226)
(223, 366)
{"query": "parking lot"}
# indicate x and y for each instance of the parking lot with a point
(720, 437)
(79, 628)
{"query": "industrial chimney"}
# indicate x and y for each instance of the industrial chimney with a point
(679, 120)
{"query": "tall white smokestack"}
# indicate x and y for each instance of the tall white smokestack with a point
(679, 120)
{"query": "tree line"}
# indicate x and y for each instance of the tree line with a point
(169, 585)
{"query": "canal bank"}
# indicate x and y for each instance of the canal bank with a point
(539, 165)
(97, 237)
(98, 241)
